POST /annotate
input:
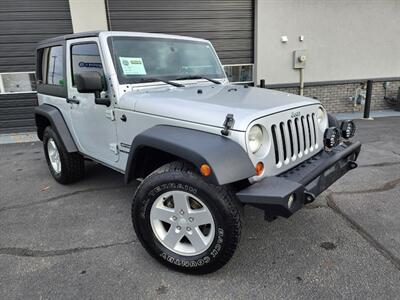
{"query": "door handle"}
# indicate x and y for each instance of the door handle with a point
(75, 101)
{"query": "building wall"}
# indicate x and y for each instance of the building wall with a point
(23, 23)
(88, 15)
(345, 40)
(228, 24)
(335, 97)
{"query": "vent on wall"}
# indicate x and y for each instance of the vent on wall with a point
(17, 82)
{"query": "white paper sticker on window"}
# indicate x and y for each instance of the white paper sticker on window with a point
(132, 66)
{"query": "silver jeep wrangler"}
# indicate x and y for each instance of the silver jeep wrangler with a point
(159, 109)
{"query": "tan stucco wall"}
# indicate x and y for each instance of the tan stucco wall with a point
(344, 39)
(88, 15)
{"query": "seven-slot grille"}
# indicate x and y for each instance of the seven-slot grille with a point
(294, 138)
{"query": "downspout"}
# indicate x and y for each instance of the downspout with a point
(301, 81)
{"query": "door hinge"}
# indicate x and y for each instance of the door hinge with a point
(110, 114)
(114, 148)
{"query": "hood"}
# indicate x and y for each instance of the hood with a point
(210, 104)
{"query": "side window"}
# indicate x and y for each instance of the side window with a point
(55, 65)
(41, 65)
(84, 58)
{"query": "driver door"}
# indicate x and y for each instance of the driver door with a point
(93, 126)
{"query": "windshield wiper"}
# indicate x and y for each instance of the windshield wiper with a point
(153, 79)
(198, 77)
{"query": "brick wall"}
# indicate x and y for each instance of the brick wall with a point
(335, 97)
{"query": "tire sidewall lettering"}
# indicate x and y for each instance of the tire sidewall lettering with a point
(210, 253)
(200, 261)
(225, 235)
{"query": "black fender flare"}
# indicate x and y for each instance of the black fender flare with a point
(57, 122)
(229, 162)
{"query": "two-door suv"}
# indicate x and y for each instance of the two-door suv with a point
(159, 109)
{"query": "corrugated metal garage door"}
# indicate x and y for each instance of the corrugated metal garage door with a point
(22, 24)
(227, 23)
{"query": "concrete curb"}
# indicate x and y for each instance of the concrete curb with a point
(374, 114)
(14, 138)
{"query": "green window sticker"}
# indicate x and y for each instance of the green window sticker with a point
(132, 65)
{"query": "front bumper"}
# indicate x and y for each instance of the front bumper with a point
(304, 182)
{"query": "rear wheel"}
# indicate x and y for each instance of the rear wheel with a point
(65, 167)
(184, 222)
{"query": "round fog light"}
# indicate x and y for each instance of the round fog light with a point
(290, 201)
(331, 137)
(347, 129)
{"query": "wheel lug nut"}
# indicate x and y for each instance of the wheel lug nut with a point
(178, 227)
(182, 212)
(174, 218)
(188, 229)
(191, 219)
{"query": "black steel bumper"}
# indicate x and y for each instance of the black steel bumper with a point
(304, 182)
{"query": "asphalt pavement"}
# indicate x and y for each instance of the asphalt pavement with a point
(77, 241)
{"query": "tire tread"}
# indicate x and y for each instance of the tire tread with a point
(73, 166)
(226, 193)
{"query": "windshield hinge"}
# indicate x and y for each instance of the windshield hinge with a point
(114, 148)
(228, 124)
(110, 114)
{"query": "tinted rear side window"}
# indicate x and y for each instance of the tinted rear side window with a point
(55, 65)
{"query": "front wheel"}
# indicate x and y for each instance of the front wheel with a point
(184, 222)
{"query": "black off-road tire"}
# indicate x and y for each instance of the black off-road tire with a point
(220, 201)
(72, 164)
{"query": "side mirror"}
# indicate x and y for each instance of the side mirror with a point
(89, 82)
(92, 82)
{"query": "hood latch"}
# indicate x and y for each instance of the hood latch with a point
(228, 124)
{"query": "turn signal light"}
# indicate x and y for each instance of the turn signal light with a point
(331, 137)
(259, 168)
(205, 170)
(347, 129)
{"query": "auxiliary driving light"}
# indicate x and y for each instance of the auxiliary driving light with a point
(331, 137)
(347, 129)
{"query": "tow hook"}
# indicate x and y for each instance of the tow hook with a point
(352, 164)
(308, 197)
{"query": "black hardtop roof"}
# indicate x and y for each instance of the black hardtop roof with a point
(69, 36)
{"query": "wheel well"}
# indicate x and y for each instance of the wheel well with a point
(41, 123)
(239, 185)
(149, 159)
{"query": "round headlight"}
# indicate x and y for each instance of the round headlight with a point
(321, 117)
(255, 138)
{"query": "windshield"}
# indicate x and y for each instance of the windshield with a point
(139, 58)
